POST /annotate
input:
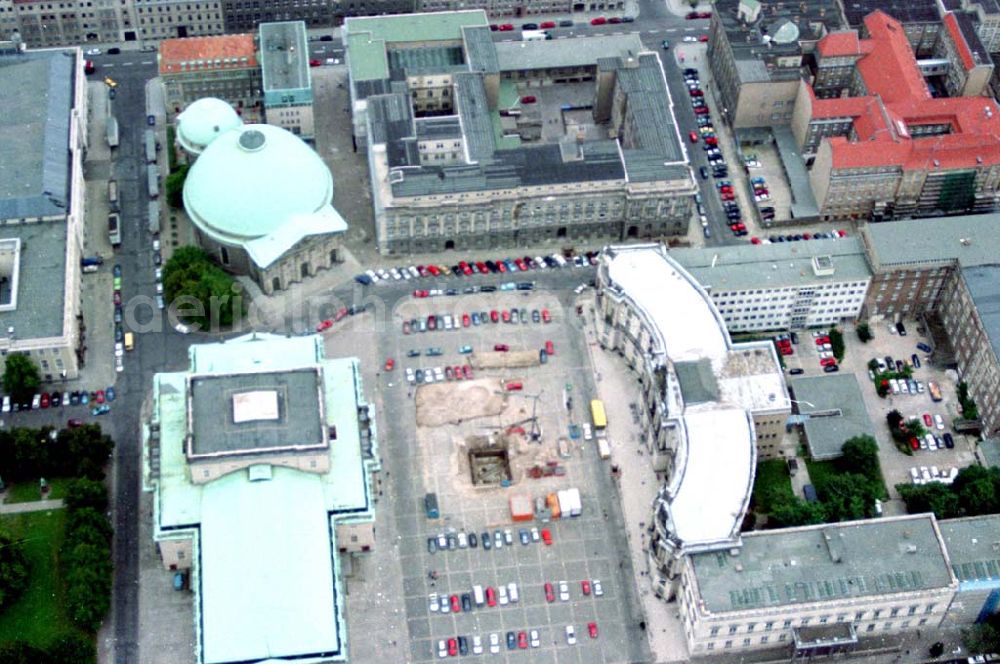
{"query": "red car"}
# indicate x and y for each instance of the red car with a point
(324, 325)
(491, 596)
(701, 110)
(546, 316)
(711, 140)
(505, 27)
(494, 316)
(528, 99)
(550, 348)
(914, 443)
(456, 606)
(693, 136)
(514, 386)
(481, 266)
(522, 640)
(703, 38)
(98, 397)
(592, 629)
(341, 314)
(827, 362)
(738, 226)
(502, 348)
(74, 423)
(822, 340)
(501, 266)
(600, 20)
(432, 322)
(755, 240)
(726, 189)
(506, 316)
(787, 351)
(547, 536)
(704, 14)
(585, 587)
(466, 321)
(44, 402)
(433, 269)
(458, 372)
(467, 372)
(546, 25)
(452, 646)
(390, 364)
(726, 195)
(928, 421)
(520, 265)
(695, 92)
(421, 293)
(615, 20)
(550, 595)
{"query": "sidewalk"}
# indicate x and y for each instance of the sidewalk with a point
(33, 506)
(637, 488)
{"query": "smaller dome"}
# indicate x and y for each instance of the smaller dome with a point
(786, 33)
(203, 121)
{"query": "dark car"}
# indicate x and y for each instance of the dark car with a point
(796, 371)
(326, 38)
(55, 400)
(432, 545)
(473, 541)
(901, 329)
(157, 258)
(487, 542)
(463, 646)
(832, 368)
(794, 336)
(566, 23)
(916, 361)
(511, 641)
(151, 120)
(924, 347)
(466, 602)
(114, 50)
(529, 26)
(704, 172)
(949, 442)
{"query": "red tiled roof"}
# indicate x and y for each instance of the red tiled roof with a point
(212, 52)
(964, 52)
(898, 99)
(839, 43)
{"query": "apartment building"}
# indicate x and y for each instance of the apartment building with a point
(169, 19)
(286, 77)
(702, 398)
(883, 146)
(974, 552)
(757, 51)
(225, 67)
(459, 155)
(42, 210)
(971, 67)
(522, 8)
(262, 443)
(921, 20)
(986, 15)
(817, 590)
(43, 24)
(782, 286)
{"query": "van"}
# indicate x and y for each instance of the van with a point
(477, 595)
(431, 506)
(129, 341)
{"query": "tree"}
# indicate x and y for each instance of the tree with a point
(848, 496)
(969, 409)
(174, 185)
(864, 334)
(13, 570)
(20, 377)
(83, 493)
(894, 419)
(209, 296)
(860, 455)
(837, 343)
(21, 652)
(796, 512)
(72, 648)
(933, 497)
(984, 637)
(978, 490)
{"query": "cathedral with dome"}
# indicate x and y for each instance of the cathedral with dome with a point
(260, 199)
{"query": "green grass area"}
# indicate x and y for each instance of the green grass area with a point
(819, 471)
(171, 150)
(771, 484)
(39, 614)
(26, 492)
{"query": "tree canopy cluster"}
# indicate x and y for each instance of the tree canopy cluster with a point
(85, 556)
(20, 377)
(28, 453)
(975, 491)
(201, 291)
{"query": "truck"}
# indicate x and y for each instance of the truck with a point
(112, 131)
(154, 217)
(150, 147)
(603, 448)
(534, 35)
(569, 502)
(153, 181)
(114, 229)
(113, 195)
(431, 506)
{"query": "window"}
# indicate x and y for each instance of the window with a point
(729, 644)
(746, 641)
(715, 631)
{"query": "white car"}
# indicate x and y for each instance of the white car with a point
(494, 643)
(502, 595)
(156, 244)
(477, 645)
(588, 433)
(690, 40)
(914, 475)
(534, 534)
(508, 536)
(533, 637)
(414, 272)
(6, 403)
(92, 51)
(438, 374)
(395, 274)
(512, 591)
(598, 588)
(374, 277)
(570, 635)
(823, 354)
(411, 377)
(563, 591)
(939, 422)
(463, 540)
(433, 605)
(442, 649)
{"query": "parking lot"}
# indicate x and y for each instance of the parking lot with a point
(580, 550)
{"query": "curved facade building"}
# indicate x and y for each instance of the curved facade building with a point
(704, 400)
(260, 198)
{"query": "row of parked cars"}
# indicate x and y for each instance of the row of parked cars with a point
(454, 540)
(98, 398)
(796, 237)
(460, 645)
(469, 268)
(924, 475)
(447, 322)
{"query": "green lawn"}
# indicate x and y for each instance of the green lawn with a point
(26, 492)
(820, 470)
(771, 483)
(39, 613)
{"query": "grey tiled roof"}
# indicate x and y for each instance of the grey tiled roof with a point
(41, 271)
(284, 57)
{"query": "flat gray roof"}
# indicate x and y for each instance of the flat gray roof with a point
(558, 53)
(837, 412)
(972, 547)
(984, 287)
(41, 275)
(970, 239)
(38, 93)
(804, 204)
(215, 429)
(826, 562)
(777, 265)
(284, 56)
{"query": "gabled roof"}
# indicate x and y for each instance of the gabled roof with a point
(206, 53)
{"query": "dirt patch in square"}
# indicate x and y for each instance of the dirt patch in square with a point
(452, 403)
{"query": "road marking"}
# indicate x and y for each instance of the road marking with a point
(671, 30)
(127, 64)
(146, 62)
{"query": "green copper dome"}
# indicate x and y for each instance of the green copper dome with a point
(204, 121)
(250, 182)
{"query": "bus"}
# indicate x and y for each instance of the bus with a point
(112, 132)
(153, 181)
(597, 414)
(150, 147)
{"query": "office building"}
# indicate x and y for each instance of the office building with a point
(260, 199)
(702, 398)
(522, 8)
(921, 20)
(225, 67)
(41, 24)
(881, 145)
(974, 552)
(263, 461)
(169, 19)
(42, 209)
(817, 590)
(782, 286)
(474, 144)
(286, 80)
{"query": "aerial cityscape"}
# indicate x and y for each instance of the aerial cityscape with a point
(601, 331)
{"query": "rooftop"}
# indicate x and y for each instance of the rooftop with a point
(776, 265)
(255, 412)
(527, 55)
(983, 282)
(973, 545)
(836, 411)
(969, 239)
(284, 54)
(828, 562)
(720, 384)
(205, 53)
(41, 266)
(906, 11)
(38, 92)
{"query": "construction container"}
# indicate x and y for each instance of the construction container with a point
(520, 507)
(569, 502)
(553, 501)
